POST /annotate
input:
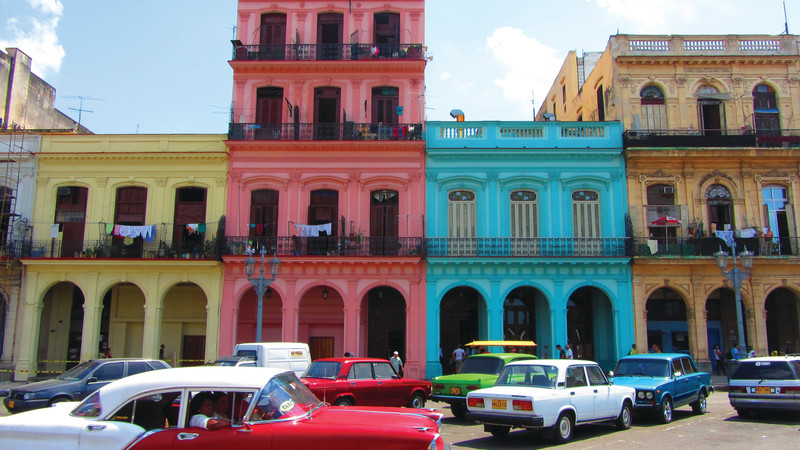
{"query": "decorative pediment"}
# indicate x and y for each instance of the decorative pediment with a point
(716, 175)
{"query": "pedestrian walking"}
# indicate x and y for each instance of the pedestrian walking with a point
(719, 360)
(457, 358)
(561, 353)
(397, 363)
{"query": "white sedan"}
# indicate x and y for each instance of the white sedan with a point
(551, 394)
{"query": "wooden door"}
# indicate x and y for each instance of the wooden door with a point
(321, 347)
(194, 350)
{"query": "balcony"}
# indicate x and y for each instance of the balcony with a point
(525, 136)
(704, 45)
(711, 138)
(325, 246)
(193, 245)
(690, 247)
(528, 247)
(327, 52)
(348, 131)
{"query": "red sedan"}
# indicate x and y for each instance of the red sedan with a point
(363, 381)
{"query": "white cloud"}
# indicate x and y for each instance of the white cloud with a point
(37, 37)
(652, 16)
(48, 6)
(529, 64)
(445, 75)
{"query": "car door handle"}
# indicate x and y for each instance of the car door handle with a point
(95, 427)
(572, 393)
(595, 391)
(187, 436)
(380, 383)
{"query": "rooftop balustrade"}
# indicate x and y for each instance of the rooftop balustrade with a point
(711, 138)
(702, 45)
(529, 135)
(348, 131)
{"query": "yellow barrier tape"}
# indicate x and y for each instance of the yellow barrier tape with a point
(32, 371)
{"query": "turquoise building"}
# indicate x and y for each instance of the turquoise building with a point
(526, 238)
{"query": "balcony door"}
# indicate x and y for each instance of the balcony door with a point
(586, 222)
(130, 208)
(720, 208)
(524, 223)
(264, 217)
(461, 223)
(269, 113)
(385, 100)
(190, 212)
(765, 111)
(383, 222)
(710, 110)
(71, 216)
(329, 36)
(273, 37)
(386, 30)
(323, 209)
(327, 103)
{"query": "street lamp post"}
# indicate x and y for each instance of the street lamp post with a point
(261, 284)
(737, 277)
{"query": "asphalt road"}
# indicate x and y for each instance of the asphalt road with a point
(719, 428)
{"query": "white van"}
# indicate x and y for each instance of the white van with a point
(293, 356)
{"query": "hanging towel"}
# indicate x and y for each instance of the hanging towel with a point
(653, 244)
(201, 228)
(109, 228)
(151, 233)
(259, 228)
(54, 230)
(726, 236)
(191, 228)
(116, 230)
(747, 233)
(326, 227)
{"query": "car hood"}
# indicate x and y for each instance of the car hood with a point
(641, 382)
(465, 378)
(378, 417)
(433, 414)
(44, 385)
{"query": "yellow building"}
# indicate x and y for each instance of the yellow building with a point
(123, 252)
(712, 159)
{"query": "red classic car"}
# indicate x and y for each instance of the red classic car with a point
(363, 381)
(263, 408)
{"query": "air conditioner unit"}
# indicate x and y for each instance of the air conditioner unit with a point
(63, 191)
(667, 190)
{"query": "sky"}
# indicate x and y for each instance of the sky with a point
(161, 66)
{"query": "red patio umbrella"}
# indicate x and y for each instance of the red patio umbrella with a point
(664, 221)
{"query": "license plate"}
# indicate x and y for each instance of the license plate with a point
(763, 390)
(498, 404)
(455, 390)
(11, 403)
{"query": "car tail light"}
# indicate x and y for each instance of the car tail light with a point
(788, 389)
(438, 386)
(735, 389)
(473, 387)
(475, 402)
(522, 405)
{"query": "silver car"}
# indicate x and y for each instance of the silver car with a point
(765, 383)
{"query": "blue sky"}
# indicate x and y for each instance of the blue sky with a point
(160, 66)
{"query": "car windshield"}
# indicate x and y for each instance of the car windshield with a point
(90, 407)
(764, 370)
(487, 365)
(284, 397)
(532, 375)
(641, 367)
(79, 371)
(328, 370)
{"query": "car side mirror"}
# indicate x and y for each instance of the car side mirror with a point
(676, 374)
(92, 380)
(610, 373)
(562, 384)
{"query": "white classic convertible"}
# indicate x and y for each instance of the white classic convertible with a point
(550, 394)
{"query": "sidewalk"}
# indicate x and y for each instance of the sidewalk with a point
(720, 382)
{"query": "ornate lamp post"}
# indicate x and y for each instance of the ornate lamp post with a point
(737, 277)
(261, 284)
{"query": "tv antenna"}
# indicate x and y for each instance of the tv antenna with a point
(80, 105)
(785, 19)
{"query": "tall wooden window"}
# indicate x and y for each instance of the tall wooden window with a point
(383, 222)
(71, 217)
(720, 207)
(273, 36)
(765, 111)
(654, 111)
(461, 222)
(264, 213)
(327, 103)
(601, 104)
(386, 32)
(385, 100)
(586, 214)
(130, 208)
(190, 213)
(710, 110)
(329, 36)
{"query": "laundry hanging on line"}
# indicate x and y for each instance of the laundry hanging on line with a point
(313, 230)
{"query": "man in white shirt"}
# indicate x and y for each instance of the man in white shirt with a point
(570, 355)
(458, 358)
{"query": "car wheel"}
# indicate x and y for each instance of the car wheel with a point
(343, 402)
(665, 414)
(699, 407)
(562, 431)
(499, 431)
(625, 416)
(58, 400)
(743, 413)
(458, 410)
(417, 401)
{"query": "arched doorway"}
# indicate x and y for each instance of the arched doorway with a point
(590, 326)
(321, 322)
(125, 330)
(183, 325)
(385, 312)
(783, 321)
(271, 317)
(526, 316)
(60, 327)
(462, 314)
(666, 321)
(721, 324)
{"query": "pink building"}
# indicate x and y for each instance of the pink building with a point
(327, 171)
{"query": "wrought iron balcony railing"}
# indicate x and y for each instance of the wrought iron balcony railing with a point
(711, 138)
(687, 247)
(327, 52)
(325, 246)
(528, 247)
(348, 131)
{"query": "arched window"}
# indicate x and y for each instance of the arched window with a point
(524, 214)
(654, 111)
(586, 214)
(765, 110)
(710, 110)
(720, 207)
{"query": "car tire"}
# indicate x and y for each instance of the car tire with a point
(499, 431)
(562, 430)
(625, 416)
(459, 411)
(343, 402)
(701, 405)
(665, 411)
(58, 400)
(417, 401)
(743, 413)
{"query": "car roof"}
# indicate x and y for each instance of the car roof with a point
(656, 356)
(351, 359)
(201, 377)
(771, 358)
(560, 363)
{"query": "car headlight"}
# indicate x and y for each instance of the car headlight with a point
(29, 396)
(640, 395)
(649, 395)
